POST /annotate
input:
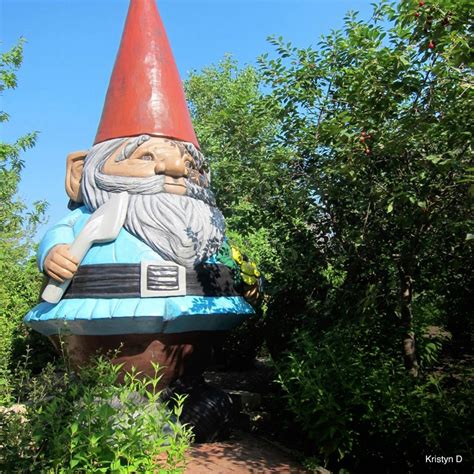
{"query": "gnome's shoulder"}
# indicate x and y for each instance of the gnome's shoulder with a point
(76, 218)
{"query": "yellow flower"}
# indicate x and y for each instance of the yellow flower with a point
(248, 279)
(248, 270)
(236, 255)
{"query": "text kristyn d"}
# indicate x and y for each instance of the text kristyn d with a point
(443, 459)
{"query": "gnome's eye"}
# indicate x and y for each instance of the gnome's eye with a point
(146, 158)
(190, 165)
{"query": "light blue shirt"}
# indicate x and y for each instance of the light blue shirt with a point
(106, 316)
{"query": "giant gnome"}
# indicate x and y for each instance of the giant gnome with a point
(141, 264)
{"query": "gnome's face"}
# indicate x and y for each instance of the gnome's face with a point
(149, 156)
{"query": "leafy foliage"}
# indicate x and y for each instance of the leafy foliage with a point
(250, 171)
(380, 116)
(19, 278)
(66, 423)
(382, 125)
(360, 411)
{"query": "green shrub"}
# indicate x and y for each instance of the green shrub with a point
(20, 280)
(86, 423)
(240, 347)
(358, 408)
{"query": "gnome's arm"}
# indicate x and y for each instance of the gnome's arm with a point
(63, 232)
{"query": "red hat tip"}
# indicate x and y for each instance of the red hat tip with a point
(145, 93)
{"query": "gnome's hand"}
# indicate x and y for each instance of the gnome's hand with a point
(250, 275)
(60, 264)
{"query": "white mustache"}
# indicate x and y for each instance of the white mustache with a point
(150, 185)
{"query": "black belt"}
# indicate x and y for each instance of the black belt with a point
(126, 280)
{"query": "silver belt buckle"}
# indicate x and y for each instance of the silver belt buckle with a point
(162, 279)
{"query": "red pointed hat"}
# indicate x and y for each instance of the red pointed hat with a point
(145, 93)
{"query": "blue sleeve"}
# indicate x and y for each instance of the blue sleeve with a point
(63, 232)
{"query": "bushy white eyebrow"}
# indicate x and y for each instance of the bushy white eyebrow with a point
(131, 146)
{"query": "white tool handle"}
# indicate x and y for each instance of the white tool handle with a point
(103, 226)
(55, 290)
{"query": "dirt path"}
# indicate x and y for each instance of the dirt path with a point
(242, 453)
(248, 449)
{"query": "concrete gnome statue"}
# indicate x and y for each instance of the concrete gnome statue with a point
(141, 264)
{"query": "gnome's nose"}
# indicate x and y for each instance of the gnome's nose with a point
(173, 167)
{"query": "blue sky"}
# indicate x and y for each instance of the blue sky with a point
(70, 51)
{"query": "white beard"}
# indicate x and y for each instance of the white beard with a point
(183, 229)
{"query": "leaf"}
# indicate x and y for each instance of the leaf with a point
(434, 158)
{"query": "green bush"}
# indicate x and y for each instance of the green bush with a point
(242, 345)
(20, 280)
(86, 423)
(358, 408)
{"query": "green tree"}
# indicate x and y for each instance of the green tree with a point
(380, 117)
(256, 176)
(248, 168)
(19, 278)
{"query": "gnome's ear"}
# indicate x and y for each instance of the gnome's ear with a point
(74, 167)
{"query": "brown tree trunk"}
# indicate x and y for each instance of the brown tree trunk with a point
(408, 337)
